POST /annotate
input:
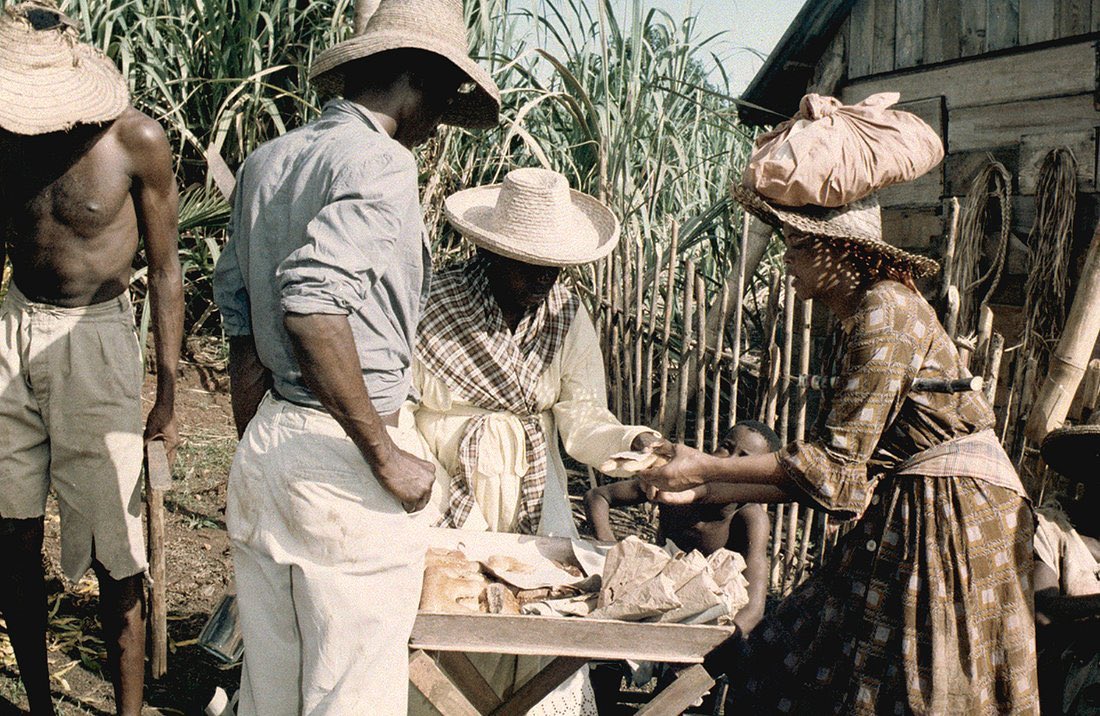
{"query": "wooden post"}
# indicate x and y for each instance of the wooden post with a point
(993, 366)
(785, 386)
(666, 333)
(981, 347)
(158, 480)
(951, 319)
(948, 272)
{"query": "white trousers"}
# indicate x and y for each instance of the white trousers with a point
(328, 569)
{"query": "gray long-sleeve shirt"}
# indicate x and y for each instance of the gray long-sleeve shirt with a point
(327, 220)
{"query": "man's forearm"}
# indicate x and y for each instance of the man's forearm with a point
(249, 380)
(325, 349)
(166, 295)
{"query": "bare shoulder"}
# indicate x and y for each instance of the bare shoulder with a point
(139, 132)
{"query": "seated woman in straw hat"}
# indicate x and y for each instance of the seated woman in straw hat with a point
(508, 360)
(925, 604)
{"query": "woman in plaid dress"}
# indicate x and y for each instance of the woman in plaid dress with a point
(925, 605)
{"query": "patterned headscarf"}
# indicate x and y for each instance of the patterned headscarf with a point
(464, 341)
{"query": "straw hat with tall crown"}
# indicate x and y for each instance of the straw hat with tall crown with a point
(1074, 451)
(437, 26)
(49, 80)
(534, 217)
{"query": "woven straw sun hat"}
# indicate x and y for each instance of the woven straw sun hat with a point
(1074, 451)
(858, 223)
(534, 217)
(49, 80)
(437, 26)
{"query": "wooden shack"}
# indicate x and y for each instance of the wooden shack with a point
(1008, 79)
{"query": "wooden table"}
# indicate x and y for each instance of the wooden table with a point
(439, 668)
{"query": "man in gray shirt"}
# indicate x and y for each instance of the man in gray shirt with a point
(320, 289)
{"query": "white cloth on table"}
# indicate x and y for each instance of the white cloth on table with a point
(328, 569)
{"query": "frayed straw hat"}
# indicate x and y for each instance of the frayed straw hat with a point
(858, 223)
(49, 80)
(1074, 451)
(437, 26)
(534, 217)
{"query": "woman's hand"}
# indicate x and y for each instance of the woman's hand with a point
(685, 469)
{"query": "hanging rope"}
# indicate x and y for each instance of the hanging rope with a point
(987, 201)
(1050, 246)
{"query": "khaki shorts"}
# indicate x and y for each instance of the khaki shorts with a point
(70, 416)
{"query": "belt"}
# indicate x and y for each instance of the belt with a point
(389, 420)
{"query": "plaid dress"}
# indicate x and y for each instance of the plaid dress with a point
(925, 605)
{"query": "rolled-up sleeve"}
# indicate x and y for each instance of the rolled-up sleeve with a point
(876, 370)
(589, 431)
(230, 293)
(349, 243)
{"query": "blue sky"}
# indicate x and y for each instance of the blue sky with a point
(750, 25)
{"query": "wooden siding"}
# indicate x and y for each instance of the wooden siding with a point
(888, 35)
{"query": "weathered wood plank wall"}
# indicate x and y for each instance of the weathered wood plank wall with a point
(889, 35)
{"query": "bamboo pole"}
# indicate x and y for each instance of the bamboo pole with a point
(1070, 358)
(701, 364)
(680, 419)
(716, 370)
(636, 414)
(651, 341)
(615, 321)
(771, 384)
(738, 314)
(806, 331)
(785, 386)
(666, 334)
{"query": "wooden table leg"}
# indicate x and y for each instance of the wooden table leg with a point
(469, 680)
(540, 685)
(437, 688)
(691, 685)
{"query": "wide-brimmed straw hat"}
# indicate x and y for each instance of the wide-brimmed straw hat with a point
(1074, 451)
(436, 26)
(536, 218)
(49, 80)
(858, 223)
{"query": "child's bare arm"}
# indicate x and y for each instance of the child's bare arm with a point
(599, 500)
(749, 531)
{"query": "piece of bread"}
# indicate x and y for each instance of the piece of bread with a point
(449, 590)
(498, 599)
(499, 563)
(632, 462)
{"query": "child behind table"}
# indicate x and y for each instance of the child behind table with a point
(741, 528)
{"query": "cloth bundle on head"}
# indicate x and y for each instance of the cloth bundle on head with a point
(436, 26)
(49, 80)
(831, 155)
(817, 173)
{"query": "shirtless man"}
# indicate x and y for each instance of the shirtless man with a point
(83, 176)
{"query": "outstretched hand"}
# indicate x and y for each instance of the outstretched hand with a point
(683, 473)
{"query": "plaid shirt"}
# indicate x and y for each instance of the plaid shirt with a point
(464, 341)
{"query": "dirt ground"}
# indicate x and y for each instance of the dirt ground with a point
(198, 564)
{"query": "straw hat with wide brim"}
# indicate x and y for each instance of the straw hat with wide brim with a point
(1074, 451)
(858, 223)
(49, 80)
(433, 25)
(534, 217)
